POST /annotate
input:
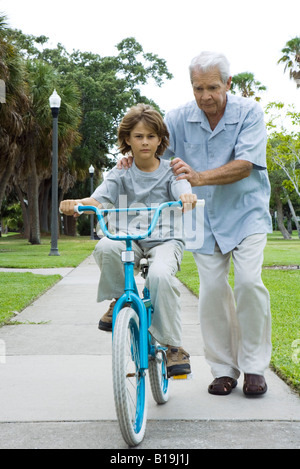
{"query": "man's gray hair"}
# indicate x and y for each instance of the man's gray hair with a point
(205, 61)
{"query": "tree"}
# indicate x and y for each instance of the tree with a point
(246, 84)
(291, 59)
(26, 130)
(34, 167)
(283, 155)
(12, 112)
(286, 143)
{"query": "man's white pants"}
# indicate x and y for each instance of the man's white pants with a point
(164, 261)
(236, 326)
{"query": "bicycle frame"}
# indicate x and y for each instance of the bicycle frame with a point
(142, 307)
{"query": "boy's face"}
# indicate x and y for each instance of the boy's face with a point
(143, 142)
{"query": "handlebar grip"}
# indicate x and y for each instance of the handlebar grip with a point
(76, 209)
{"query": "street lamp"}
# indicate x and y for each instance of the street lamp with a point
(91, 171)
(54, 101)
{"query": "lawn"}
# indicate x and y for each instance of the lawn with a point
(284, 288)
(16, 252)
(18, 290)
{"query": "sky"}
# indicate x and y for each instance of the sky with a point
(251, 35)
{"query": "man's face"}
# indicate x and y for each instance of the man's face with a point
(210, 92)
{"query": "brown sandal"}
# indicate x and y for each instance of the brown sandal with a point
(254, 385)
(222, 386)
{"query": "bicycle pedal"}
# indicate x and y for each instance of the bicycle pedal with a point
(182, 377)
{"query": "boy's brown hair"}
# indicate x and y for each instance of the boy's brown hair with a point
(151, 118)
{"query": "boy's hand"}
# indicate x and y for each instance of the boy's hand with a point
(67, 207)
(189, 201)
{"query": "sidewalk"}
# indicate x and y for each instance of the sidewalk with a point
(56, 384)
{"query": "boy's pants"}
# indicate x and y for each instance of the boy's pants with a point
(164, 261)
(236, 328)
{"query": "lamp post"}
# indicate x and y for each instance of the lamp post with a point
(54, 101)
(91, 171)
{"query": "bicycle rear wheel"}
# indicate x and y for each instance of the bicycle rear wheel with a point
(129, 382)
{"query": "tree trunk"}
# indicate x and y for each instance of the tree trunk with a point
(44, 206)
(279, 208)
(70, 226)
(33, 202)
(293, 213)
(5, 176)
(24, 208)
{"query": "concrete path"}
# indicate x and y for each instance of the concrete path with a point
(56, 384)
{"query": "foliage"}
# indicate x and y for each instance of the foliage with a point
(247, 85)
(11, 217)
(291, 59)
(12, 72)
(283, 148)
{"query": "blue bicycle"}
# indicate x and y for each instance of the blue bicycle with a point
(134, 351)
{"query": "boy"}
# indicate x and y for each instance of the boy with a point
(150, 181)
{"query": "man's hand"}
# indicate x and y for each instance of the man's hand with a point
(184, 171)
(229, 173)
(189, 201)
(125, 162)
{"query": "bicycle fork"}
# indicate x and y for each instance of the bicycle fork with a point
(131, 296)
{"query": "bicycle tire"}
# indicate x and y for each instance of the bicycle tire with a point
(158, 378)
(128, 383)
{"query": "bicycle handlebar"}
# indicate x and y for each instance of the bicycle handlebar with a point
(101, 213)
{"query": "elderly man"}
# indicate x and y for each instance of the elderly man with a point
(219, 144)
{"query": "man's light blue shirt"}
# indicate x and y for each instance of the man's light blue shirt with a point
(232, 211)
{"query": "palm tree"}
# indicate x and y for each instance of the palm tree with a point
(247, 85)
(34, 166)
(26, 131)
(11, 113)
(291, 59)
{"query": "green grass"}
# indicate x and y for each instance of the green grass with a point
(16, 252)
(280, 251)
(18, 290)
(284, 288)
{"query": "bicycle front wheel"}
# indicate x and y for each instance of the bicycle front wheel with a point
(129, 382)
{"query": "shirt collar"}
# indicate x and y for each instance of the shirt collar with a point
(231, 115)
